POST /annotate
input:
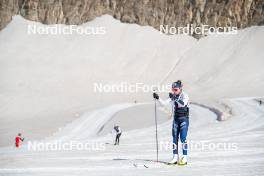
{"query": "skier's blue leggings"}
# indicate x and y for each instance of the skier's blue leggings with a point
(180, 128)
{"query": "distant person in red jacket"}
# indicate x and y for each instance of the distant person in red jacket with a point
(19, 139)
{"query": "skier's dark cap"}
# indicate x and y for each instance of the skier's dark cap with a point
(177, 84)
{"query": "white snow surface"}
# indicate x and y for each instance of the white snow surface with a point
(46, 92)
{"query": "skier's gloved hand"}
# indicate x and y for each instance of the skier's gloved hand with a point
(155, 95)
(171, 95)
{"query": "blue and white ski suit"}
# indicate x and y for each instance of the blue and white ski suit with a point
(180, 112)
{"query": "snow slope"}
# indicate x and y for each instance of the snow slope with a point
(46, 92)
(225, 66)
(50, 78)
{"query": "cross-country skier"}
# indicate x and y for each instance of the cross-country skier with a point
(117, 131)
(18, 140)
(179, 101)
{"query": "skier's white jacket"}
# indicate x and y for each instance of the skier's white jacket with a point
(115, 132)
(182, 101)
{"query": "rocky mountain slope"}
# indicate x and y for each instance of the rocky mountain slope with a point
(174, 13)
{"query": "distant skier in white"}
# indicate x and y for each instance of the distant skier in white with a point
(179, 101)
(117, 132)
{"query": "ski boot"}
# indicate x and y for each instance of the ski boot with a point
(183, 161)
(174, 160)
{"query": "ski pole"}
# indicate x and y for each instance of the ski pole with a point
(156, 124)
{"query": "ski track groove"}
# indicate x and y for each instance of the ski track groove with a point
(117, 159)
